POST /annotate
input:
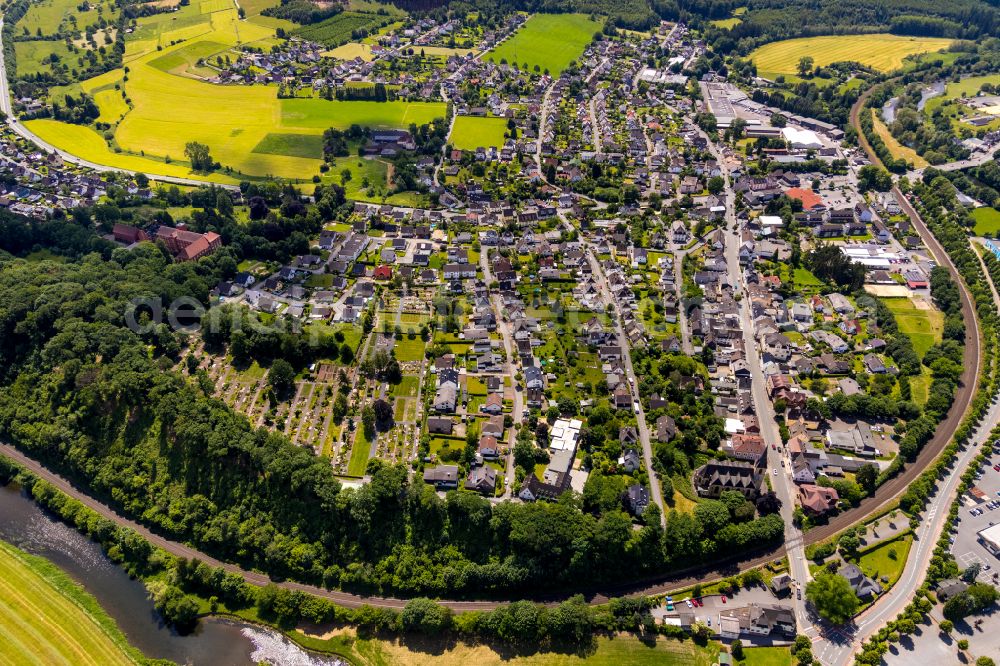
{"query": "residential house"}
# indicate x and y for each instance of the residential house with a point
(862, 585)
(637, 498)
(482, 479)
(817, 500)
(442, 477)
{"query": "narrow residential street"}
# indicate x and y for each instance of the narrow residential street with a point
(510, 369)
(655, 488)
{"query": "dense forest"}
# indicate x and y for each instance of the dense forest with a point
(765, 20)
(103, 404)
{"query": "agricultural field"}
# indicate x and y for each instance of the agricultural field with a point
(727, 24)
(320, 114)
(896, 149)
(253, 142)
(352, 50)
(89, 145)
(340, 29)
(883, 52)
(550, 41)
(733, 20)
(470, 132)
(919, 321)
(112, 105)
(47, 618)
(987, 221)
(295, 145)
(255, 7)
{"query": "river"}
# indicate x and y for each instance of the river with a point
(216, 642)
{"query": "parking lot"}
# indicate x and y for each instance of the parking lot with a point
(972, 518)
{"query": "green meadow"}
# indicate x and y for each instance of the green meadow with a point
(550, 41)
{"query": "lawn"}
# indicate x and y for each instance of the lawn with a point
(765, 656)
(804, 278)
(471, 132)
(603, 651)
(987, 221)
(967, 87)
(877, 562)
(32, 57)
(407, 387)
(922, 325)
(920, 386)
(236, 122)
(351, 333)
(883, 52)
(896, 149)
(550, 41)
(409, 350)
(46, 618)
(358, 462)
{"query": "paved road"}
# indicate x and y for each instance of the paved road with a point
(510, 366)
(976, 160)
(836, 647)
(640, 415)
(782, 482)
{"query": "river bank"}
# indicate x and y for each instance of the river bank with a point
(216, 641)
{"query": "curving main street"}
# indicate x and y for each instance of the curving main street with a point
(836, 646)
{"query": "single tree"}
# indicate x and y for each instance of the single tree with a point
(833, 597)
(198, 154)
(805, 65)
(281, 377)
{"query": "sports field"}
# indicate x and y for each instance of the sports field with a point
(247, 128)
(987, 220)
(896, 149)
(45, 618)
(967, 87)
(923, 324)
(551, 41)
(471, 132)
(883, 52)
